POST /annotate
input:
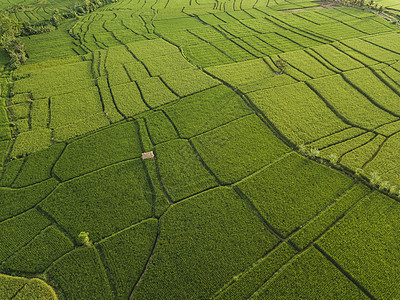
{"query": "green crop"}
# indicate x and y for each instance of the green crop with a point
(231, 153)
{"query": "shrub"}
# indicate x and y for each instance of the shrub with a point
(84, 239)
(375, 179)
(333, 158)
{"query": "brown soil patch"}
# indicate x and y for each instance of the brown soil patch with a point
(147, 155)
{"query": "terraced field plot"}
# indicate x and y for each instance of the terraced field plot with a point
(227, 208)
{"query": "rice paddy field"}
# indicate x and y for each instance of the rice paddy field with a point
(226, 95)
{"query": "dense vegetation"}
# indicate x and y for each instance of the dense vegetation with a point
(275, 132)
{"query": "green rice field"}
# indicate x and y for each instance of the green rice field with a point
(178, 149)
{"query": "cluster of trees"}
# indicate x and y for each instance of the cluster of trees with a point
(10, 30)
(370, 4)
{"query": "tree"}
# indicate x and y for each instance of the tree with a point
(281, 64)
(84, 238)
(9, 31)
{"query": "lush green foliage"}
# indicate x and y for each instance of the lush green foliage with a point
(16, 201)
(160, 128)
(316, 227)
(297, 112)
(16, 232)
(248, 282)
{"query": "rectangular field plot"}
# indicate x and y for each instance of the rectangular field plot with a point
(254, 278)
(368, 235)
(242, 73)
(206, 110)
(189, 81)
(369, 25)
(125, 254)
(233, 50)
(16, 201)
(154, 48)
(181, 171)
(209, 238)
(208, 33)
(92, 279)
(128, 99)
(335, 31)
(37, 255)
(350, 103)
(317, 226)
(310, 276)
(279, 42)
(27, 225)
(160, 128)
(154, 92)
(109, 146)
(250, 76)
(239, 148)
(205, 55)
(94, 200)
(256, 46)
(31, 141)
(52, 81)
(38, 165)
(307, 64)
(375, 52)
(387, 161)
(166, 64)
(389, 41)
(284, 196)
(373, 87)
(349, 145)
(358, 157)
(337, 58)
(297, 112)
